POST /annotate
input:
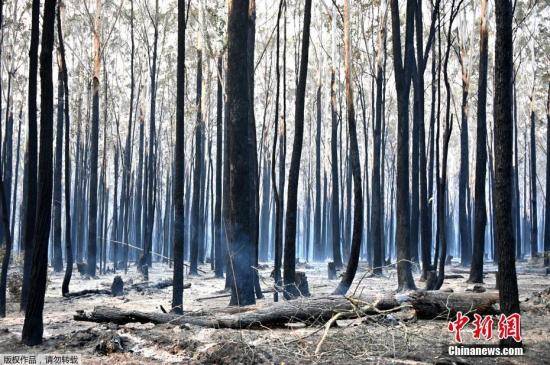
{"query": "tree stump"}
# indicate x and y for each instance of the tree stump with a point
(145, 272)
(82, 268)
(331, 270)
(302, 284)
(431, 279)
(117, 288)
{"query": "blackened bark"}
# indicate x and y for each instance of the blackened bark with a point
(68, 225)
(241, 206)
(335, 213)
(32, 154)
(151, 171)
(547, 196)
(403, 81)
(218, 229)
(517, 208)
(294, 173)
(57, 253)
(179, 167)
(278, 191)
(195, 205)
(33, 326)
(128, 148)
(480, 214)
(533, 186)
(318, 254)
(357, 236)
(464, 176)
(92, 203)
(377, 220)
(508, 286)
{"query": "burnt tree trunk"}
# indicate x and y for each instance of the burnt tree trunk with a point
(507, 279)
(33, 326)
(68, 224)
(533, 185)
(294, 172)
(241, 206)
(403, 70)
(480, 214)
(353, 262)
(179, 166)
(92, 203)
(57, 261)
(32, 154)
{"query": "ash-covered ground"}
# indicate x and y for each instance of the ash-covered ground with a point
(381, 339)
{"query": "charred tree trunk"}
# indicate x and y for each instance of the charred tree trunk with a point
(335, 213)
(507, 279)
(377, 219)
(318, 253)
(33, 326)
(218, 229)
(464, 176)
(197, 188)
(179, 166)
(351, 268)
(92, 204)
(68, 224)
(533, 185)
(547, 197)
(32, 154)
(403, 70)
(241, 206)
(480, 214)
(294, 172)
(57, 262)
(278, 190)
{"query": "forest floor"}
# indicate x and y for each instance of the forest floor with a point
(379, 339)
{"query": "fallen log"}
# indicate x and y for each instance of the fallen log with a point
(427, 305)
(87, 292)
(139, 287)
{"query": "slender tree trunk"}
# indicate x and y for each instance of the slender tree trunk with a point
(278, 190)
(377, 219)
(57, 253)
(335, 214)
(464, 177)
(507, 279)
(195, 208)
(353, 262)
(517, 208)
(547, 196)
(533, 182)
(318, 255)
(68, 230)
(32, 154)
(16, 180)
(218, 229)
(92, 204)
(480, 215)
(294, 172)
(179, 166)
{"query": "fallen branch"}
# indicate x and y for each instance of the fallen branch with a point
(139, 287)
(427, 305)
(228, 295)
(88, 292)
